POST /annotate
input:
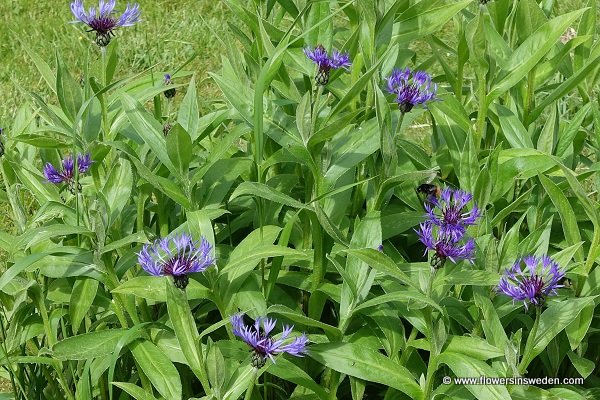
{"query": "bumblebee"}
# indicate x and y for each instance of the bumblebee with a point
(429, 190)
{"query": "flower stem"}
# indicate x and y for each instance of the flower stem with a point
(530, 342)
(102, 96)
(482, 113)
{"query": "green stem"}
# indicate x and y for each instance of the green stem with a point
(432, 363)
(103, 98)
(530, 342)
(482, 113)
(408, 350)
(140, 212)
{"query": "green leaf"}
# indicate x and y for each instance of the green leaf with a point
(566, 213)
(577, 329)
(149, 129)
(565, 140)
(365, 363)
(470, 278)
(564, 88)
(89, 345)
(179, 148)
(185, 329)
(41, 65)
(382, 263)
(290, 372)
(528, 54)
(424, 18)
(82, 298)
(10, 274)
(189, 114)
(407, 297)
(158, 368)
(512, 129)
(302, 319)
(68, 91)
(465, 366)
(584, 366)
(135, 391)
(554, 319)
(117, 189)
(265, 192)
(153, 288)
(473, 347)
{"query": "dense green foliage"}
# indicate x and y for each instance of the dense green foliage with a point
(296, 186)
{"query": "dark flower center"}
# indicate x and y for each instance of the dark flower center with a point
(103, 25)
(179, 263)
(451, 215)
(533, 286)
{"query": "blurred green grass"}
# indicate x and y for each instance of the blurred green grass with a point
(171, 31)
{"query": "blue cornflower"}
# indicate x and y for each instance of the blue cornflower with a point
(449, 212)
(539, 278)
(411, 91)
(263, 345)
(177, 256)
(169, 93)
(67, 173)
(326, 63)
(102, 21)
(444, 246)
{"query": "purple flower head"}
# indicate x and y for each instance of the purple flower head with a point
(177, 256)
(84, 162)
(448, 212)
(380, 248)
(257, 336)
(66, 174)
(539, 278)
(326, 62)
(411, 91)
(169, 93)
(444, 246)
(103, 21)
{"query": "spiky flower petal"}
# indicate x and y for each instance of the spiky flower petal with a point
(67, 174)
(177, 256)
(533, 282)
(450, 214)
(326, 63)
(102, 20)
(411, 88)
(444, 246)
(257, 336)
